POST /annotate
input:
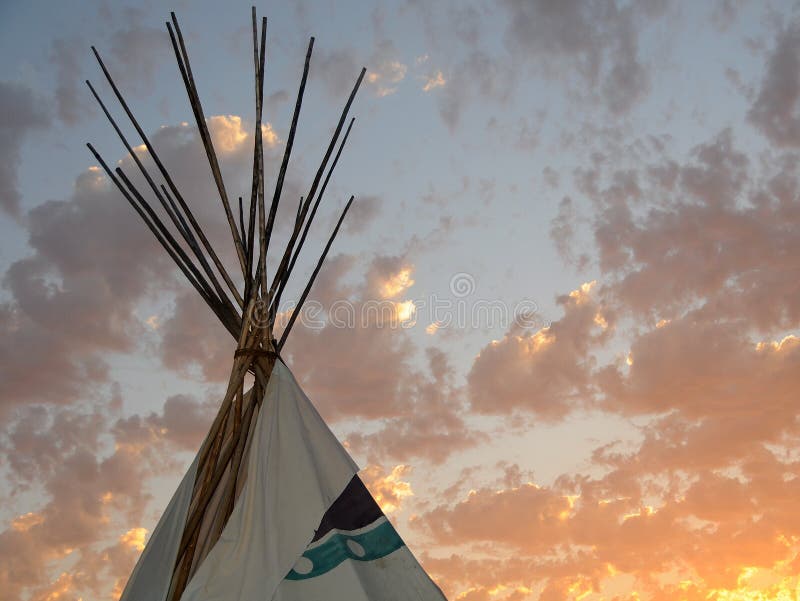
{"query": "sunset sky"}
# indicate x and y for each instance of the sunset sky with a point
(580, 223)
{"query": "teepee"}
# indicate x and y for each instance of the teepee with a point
(272, 507)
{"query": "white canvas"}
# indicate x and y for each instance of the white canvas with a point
(296, 470)
(150, 578)
(396, 576)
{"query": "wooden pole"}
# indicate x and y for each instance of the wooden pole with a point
(194, 520)
(154, 219)
(189, 215)
(313, 277)
(184, 560)
(242, 231)
(211, 301)
(229, 493)
(273, 209)
(173, 217)
(288, 272)
(290, 245)
(244, 340)
(194, 99)
(222, 452)
(258, 157)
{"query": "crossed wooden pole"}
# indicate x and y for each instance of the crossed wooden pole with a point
(250, 314)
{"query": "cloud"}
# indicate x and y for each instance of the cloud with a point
(415, 413)
(479, 74)
(65, 308)
(703, 275)
(579, 534)
(776, 110)
(384, 70)
(462, 574)
(132, 54)
(339, 69)
(546, 372)
(529, 134)
(71, 375)
(269, 136)
(137, 50)
(711, 368)
(434, 81)
(430, 424)
(694, 260)
(90, 469)
(73, 299)
(365, 211)
(364, 375)
(22, 113)
(562, 232)
(491, 515)
(721, 238)
(596, 43)
(389, 489)
(193, 338)
(737, 374)
(725, 13)
(388, 277)
(183, 423)
(71, 98)
(695, 286)
(599, 39)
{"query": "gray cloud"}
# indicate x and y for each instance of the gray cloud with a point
(92, 261)
(479, 74)
(20, 113)
(703, 269)
(74, 296)
(92, 469)
(547, 372)
(364, 375)
(776, 111)
(191, 339)
(138, 50)
(133, 53)
(599, 39)
(71, 98)
(364, 211)
(430, 427)
(562, 233)
(338, 69)
(591, 48)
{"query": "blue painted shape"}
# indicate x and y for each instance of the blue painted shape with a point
(375, 543)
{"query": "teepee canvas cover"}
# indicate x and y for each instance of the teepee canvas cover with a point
(271, 508)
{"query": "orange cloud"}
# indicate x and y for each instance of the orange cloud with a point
(389, 489)
(134, 538)
(434, 81)
(546, 372)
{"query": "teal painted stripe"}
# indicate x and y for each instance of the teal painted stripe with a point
(364, 546)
